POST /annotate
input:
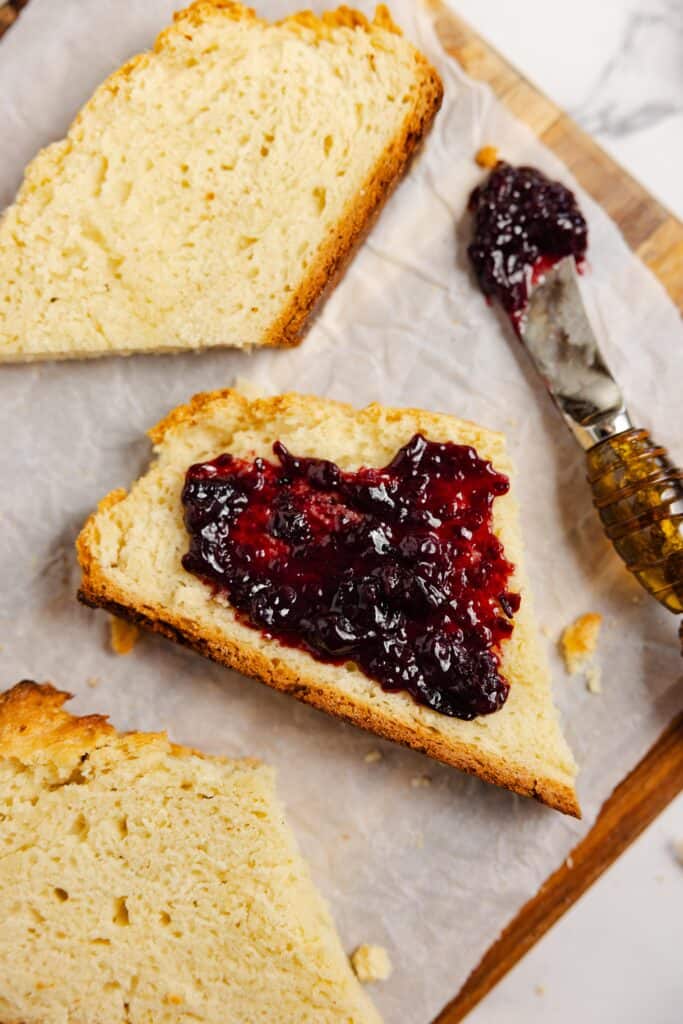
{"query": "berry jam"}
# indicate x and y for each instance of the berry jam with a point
(523, 225)
(394, 569)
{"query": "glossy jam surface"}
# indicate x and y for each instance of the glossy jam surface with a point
(523, 224)
(396, 569)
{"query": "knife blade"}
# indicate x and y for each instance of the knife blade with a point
(637, 489)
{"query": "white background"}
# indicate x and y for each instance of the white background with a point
(617, 66)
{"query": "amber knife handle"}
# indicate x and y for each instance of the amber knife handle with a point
(638, 492)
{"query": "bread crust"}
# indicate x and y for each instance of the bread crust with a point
(34, 726)
(360, 214)
(97, 590)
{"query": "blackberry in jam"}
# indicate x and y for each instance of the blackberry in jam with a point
(524, 223)
(395, 569)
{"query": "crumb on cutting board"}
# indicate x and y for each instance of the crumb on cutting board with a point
(372, 757)
(579, 641)
(123, 635)
(487, 156)
(371, 963)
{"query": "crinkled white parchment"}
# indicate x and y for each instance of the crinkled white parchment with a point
(432, 872)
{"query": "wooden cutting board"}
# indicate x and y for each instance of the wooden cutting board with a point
(657, 237)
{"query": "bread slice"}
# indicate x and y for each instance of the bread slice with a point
(130, 551)
(211, 189)
(141, 881)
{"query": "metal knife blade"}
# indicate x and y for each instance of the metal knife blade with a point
(637, 489)
(558, 336)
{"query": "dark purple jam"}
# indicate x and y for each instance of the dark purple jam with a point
(523, 225)
(394, 569)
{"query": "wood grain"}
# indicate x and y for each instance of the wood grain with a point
(9, 13)
(635, 803)
(648, 227)
(657, 236)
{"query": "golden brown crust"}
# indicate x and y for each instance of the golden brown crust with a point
(98, 591)
(35, 726)
(359, 218)
(33, 722)
(267, 408)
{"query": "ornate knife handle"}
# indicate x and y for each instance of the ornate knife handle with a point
(638, 492)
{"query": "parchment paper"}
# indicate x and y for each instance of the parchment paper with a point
(431, 871)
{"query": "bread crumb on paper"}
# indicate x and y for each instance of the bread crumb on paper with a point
(579, 641)
(92, 682)
(372, 757)
(123, 635)
(539, 990)
(678, 850)
(371, 963)
(248, 388)
(487, 156)
(594, 679)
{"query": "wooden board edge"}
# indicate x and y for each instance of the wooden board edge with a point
(652, 231)
(656, 236)
(9, 13)
(633, 805)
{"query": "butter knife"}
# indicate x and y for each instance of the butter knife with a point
(637, 489)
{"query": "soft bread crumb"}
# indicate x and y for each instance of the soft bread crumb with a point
(372, 757)
(371, 963)
(579, 641)
(125, 852)
(92, 682)
(539, 990)
(123, 635)
(487, 156)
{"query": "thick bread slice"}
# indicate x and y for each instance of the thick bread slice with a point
(141, 881)
(131, 548)
(211, 189)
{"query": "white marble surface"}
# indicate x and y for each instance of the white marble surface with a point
(617, 66)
